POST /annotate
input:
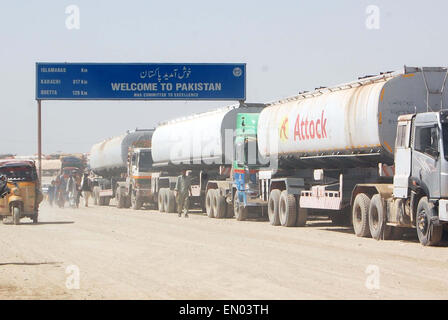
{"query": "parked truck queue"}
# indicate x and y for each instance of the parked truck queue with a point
(371, 154)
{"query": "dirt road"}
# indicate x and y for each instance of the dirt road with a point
(121, 253)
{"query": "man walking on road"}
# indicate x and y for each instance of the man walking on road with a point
(86, 188)
(183, 189)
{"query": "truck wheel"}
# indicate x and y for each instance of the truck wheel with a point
(287, 210)
(302, 216)
(230, 210)
(273, 204)
(136, 203)
(36, 217)
(428, 233)
(16, 215)
(170, 205)
(221, 206)
(96, 196)
(127, 202)
(239, 210)
(160, 199)
(209, 203)
(377, 219)
(360, 214)
(120, 199)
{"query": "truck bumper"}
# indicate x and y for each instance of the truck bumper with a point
(443, 210)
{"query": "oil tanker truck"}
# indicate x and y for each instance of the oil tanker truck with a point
(201, 144)
(123, 165)
(372, 153)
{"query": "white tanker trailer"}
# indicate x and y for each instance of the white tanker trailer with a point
(203, 145)
(373, 152)
(123, 164)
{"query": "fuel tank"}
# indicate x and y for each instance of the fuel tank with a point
(351, 125)
(109, 157)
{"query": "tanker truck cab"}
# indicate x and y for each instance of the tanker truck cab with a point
(418, 196)
(138, 181)
(246, 164)
(421, 178)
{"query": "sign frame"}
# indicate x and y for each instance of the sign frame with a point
(138, 64)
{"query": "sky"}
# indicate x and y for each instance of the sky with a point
(288, 46)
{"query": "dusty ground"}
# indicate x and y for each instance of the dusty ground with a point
(129, 254)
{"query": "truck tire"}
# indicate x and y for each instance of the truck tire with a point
(209, 203)
(287, 210)
(35, 217)
(230, 212)
(273, 204)
(239, 211)
(127, 202)
(428, 233)
(16, 214)
(360, 213)
(221, 206)
(302, 216)
(377, 219)
(136, 203)
(120, 199)
(95, 198)
(160, 200)
(170, 204)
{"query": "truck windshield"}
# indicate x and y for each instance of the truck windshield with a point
(145, 161)
(18, 173)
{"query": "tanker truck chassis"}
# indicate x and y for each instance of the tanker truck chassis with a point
(202, 144)
(123, 167)
(381, 165)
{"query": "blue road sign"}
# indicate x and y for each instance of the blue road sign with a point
(140, 81)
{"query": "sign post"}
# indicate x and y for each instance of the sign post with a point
(39, 137)
(137, 81)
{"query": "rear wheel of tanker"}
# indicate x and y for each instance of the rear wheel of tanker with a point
(170, 205)
(230, 211)
(136, 203)
(16, 215)
(96, 196)
(35, 217)
(377, 219)
(273, 205)
(360, 215)
(428, 233)
(239, 210)
(209, 203)
(287, 210)
(120, 199)
(221, 206)
(160, 202)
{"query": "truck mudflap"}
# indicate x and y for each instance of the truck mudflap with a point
(443, 210)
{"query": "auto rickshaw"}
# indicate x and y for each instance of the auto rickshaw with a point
(24, 194)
